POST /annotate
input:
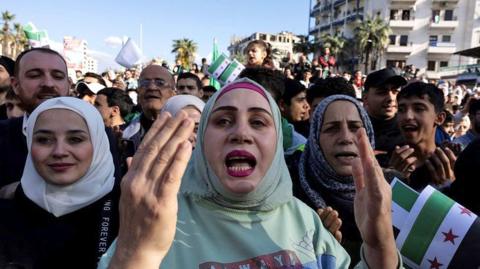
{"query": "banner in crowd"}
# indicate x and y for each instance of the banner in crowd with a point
(433, 231)
(225, 70)
(73, 50)
(35, 37)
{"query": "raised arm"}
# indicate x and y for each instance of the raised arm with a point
(372, 207)
(148, 204)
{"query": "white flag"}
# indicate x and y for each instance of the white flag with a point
(129, 55)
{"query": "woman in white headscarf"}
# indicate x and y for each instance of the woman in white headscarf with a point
(64, 213)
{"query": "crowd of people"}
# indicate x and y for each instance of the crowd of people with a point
(286, 167)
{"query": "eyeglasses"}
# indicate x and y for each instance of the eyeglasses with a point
(160, 83)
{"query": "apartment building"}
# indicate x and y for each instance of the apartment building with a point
(424, 33)
(282, 43)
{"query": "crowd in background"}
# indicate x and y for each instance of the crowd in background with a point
(420, 130)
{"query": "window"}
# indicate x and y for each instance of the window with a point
(435, 16)
(433, 40)
(263, 36)
(273, 38)
(443, 63)
(446, 38)
(393, 39)
(431, 66)
(393, 14)
(403, 40)
(448, 15)
(405, 15)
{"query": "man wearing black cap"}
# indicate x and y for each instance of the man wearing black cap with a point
(6, 70)
(380, 101)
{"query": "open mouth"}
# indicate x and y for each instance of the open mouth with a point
(240, 163)
(346, 156)
(409, 128)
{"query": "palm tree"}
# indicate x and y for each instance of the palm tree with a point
(6, 35)
(335, 43)
(304, 46)
(372, 38)
(21, 40)
(185, 49)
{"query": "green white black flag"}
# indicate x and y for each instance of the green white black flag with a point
(434, 230)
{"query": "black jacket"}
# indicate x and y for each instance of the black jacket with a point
(30, 237)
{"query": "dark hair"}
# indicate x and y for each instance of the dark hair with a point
(420, 89)
(209, 89)
(448, 116)
(474, 107)
(188, 75)
(330, 86)
(267, 62)
(96, 76)
(292, 88)
(271, 80)
(43, 50)
(118, 97)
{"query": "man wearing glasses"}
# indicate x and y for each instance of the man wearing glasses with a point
(155, 86)
(380, 102)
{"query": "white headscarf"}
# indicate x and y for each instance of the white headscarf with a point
(96, 183)
(176, 103)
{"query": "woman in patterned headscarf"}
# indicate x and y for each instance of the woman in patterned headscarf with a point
(325, 178)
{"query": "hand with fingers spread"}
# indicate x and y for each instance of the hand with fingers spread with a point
(372, 207)
(331, 221)
(148, 204)
(440, 165)
(403, 160)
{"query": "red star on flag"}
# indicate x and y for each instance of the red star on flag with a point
(434, 263)
(465, 211)
(449, 236)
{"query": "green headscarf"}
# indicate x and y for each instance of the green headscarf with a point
(201, 182)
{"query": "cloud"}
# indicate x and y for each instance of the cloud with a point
(113, 41)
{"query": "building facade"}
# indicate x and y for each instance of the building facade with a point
(424, 33)
(76, 55)
(282, 43)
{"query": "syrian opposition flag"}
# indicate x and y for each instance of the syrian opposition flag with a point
(35, 37)
(436, 232)
(231, 72)
(224, 70)
(215, 55)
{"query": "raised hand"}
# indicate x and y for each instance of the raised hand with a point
(148, 204)
(331, 221)
(402, 160)
(372, 207)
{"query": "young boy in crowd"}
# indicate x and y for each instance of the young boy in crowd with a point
(13, 105)
(421, 160)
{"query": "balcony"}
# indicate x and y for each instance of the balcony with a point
(444, 24)
(409, 2)
(399, 49)
(441, 48)
(315, 10)
(339, 3)
(402, 24)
